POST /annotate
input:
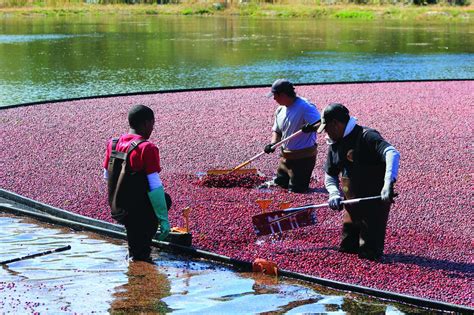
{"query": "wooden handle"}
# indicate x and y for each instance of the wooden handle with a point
(293, 135)
(287, 139)
(344, 202)
(295, 211)
(238, 167)
(186, 218)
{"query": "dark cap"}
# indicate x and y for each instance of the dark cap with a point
(333, 111)
(282, 86)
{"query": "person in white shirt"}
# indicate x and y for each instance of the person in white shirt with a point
(298, 155)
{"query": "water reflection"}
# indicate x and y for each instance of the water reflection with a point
(143, 292)
(79, 279)
(10, 39)
(94, 277)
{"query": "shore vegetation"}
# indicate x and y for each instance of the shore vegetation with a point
(338, 9)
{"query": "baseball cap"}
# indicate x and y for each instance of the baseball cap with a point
(333, 111)
(282, 86)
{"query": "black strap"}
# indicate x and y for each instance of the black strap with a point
(114, 143)
(124, 155)
(135, 145)
(116, 154)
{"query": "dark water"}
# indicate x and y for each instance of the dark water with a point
(94, 277)
(44, 58)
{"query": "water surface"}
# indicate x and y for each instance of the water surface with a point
(44, 58)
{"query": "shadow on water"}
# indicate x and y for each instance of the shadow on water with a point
(461, 270)
(308, 249)
(455, 269)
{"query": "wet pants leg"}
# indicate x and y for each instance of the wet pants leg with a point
(295, 174)
(300, 174)
(350, 234)
(169, 202)
(141, 228)
(372, 230)
(282, 177)
(364, 229)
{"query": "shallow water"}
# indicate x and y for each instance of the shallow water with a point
(94, 277)
(45, 58)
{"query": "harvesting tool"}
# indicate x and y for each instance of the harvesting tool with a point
(293, 218)
(239, 169)
(57, 250)
(184, 229)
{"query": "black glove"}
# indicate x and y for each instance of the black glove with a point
(335, 202)
(387, 192)
(309, 128)
(268, 148)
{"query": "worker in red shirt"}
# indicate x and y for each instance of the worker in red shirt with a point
(143, 200)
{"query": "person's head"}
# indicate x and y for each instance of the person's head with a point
(334, 120)
(141, 120)
(283, 92)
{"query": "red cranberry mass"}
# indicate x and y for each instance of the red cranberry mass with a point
(53, 153)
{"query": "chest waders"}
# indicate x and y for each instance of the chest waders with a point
(127, 189)
(364, 224)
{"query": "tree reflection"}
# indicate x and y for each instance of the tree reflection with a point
(143, 293)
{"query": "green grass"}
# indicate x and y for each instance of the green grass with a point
(315, 11)
(318, 12)
(152, 12)
(221, 4)
(197, 11)
(187, 11)
(350, 14)
(202, 11)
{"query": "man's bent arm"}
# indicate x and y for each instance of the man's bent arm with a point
(276, 137)
(332, 184)
(392, 160)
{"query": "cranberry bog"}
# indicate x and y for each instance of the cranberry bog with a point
(53, 153)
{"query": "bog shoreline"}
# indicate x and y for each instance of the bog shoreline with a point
(337, 11)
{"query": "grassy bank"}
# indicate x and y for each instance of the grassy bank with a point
(339, 11)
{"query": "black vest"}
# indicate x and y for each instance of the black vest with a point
(361, 168)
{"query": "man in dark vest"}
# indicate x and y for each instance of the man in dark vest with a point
(367, 166)
(146, 203)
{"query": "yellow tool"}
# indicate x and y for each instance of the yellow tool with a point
(263, 204)
(238, 169)
(186, 222)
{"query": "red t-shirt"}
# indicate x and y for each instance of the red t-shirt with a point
(144, 158)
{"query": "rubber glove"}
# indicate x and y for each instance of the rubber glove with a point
(332, 186)
(158, 201)
(335, 202)
(268, 148)
(309, 128)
